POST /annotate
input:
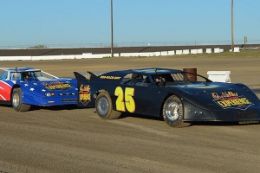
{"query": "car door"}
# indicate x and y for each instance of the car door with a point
(143, 96)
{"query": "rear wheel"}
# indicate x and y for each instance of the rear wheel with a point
(104, 107)
(173, 112)
(17, 101)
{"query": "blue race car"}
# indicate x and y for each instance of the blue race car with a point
(26, 87)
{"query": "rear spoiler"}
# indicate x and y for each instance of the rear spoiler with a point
(84, 88)
(87, 77)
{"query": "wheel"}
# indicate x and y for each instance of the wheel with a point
(17, 101)
(104, 107)
(173, 112)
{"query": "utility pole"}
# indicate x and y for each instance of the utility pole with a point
(112, 28)
(232, 26)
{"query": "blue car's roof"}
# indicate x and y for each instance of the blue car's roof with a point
(21, 69)
(145, 71)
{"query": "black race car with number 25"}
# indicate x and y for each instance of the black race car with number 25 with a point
(171, 94)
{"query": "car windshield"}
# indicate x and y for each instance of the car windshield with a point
(136, 79)
(179, 77)
(3, 74)
(32, 75)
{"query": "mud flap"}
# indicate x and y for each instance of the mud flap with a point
(84, 88)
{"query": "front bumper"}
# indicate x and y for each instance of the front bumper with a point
(52, 101)
(193, 114)
(58, 102)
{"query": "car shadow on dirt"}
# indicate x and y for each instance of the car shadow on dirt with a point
(198, 123)
(140, 116)
(226, 123)
(127, 115)
(57, 108)
(52, 108)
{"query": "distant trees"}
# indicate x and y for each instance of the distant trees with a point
(39, 46)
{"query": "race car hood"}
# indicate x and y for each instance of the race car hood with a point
(218, 96)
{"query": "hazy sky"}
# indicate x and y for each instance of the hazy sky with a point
(87, 22)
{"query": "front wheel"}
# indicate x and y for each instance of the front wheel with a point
(17, 101)
(104, 107)
(173, 111)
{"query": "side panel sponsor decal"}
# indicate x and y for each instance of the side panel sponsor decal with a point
(231, 99)
(57, 86)
(110, 77)
(84, 94)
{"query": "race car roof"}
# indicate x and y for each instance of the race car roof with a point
(145, 71)
(20, 69)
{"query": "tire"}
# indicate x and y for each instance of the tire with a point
(17, 101)
(104, 107)
(173, 112)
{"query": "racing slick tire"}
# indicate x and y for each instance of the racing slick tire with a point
(17, 101)
(173, 112)
(104, 107)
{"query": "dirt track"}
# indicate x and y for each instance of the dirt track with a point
(76, 140)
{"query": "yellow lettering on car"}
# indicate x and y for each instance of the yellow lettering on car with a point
(125, 101)
(234, 102)
(110, 77)
(129, 100)
(120, 105)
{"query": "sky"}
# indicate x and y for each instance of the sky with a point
(80, 23)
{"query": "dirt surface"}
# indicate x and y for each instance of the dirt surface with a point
(76, 140)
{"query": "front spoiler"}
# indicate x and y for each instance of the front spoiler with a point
(192, 113)
(54, 101)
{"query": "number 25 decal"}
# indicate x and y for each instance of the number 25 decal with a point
(125, 101)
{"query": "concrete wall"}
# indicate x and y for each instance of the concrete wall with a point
(90, 55)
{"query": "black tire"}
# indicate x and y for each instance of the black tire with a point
(173, 112)
(17, 101)
(104, 107)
